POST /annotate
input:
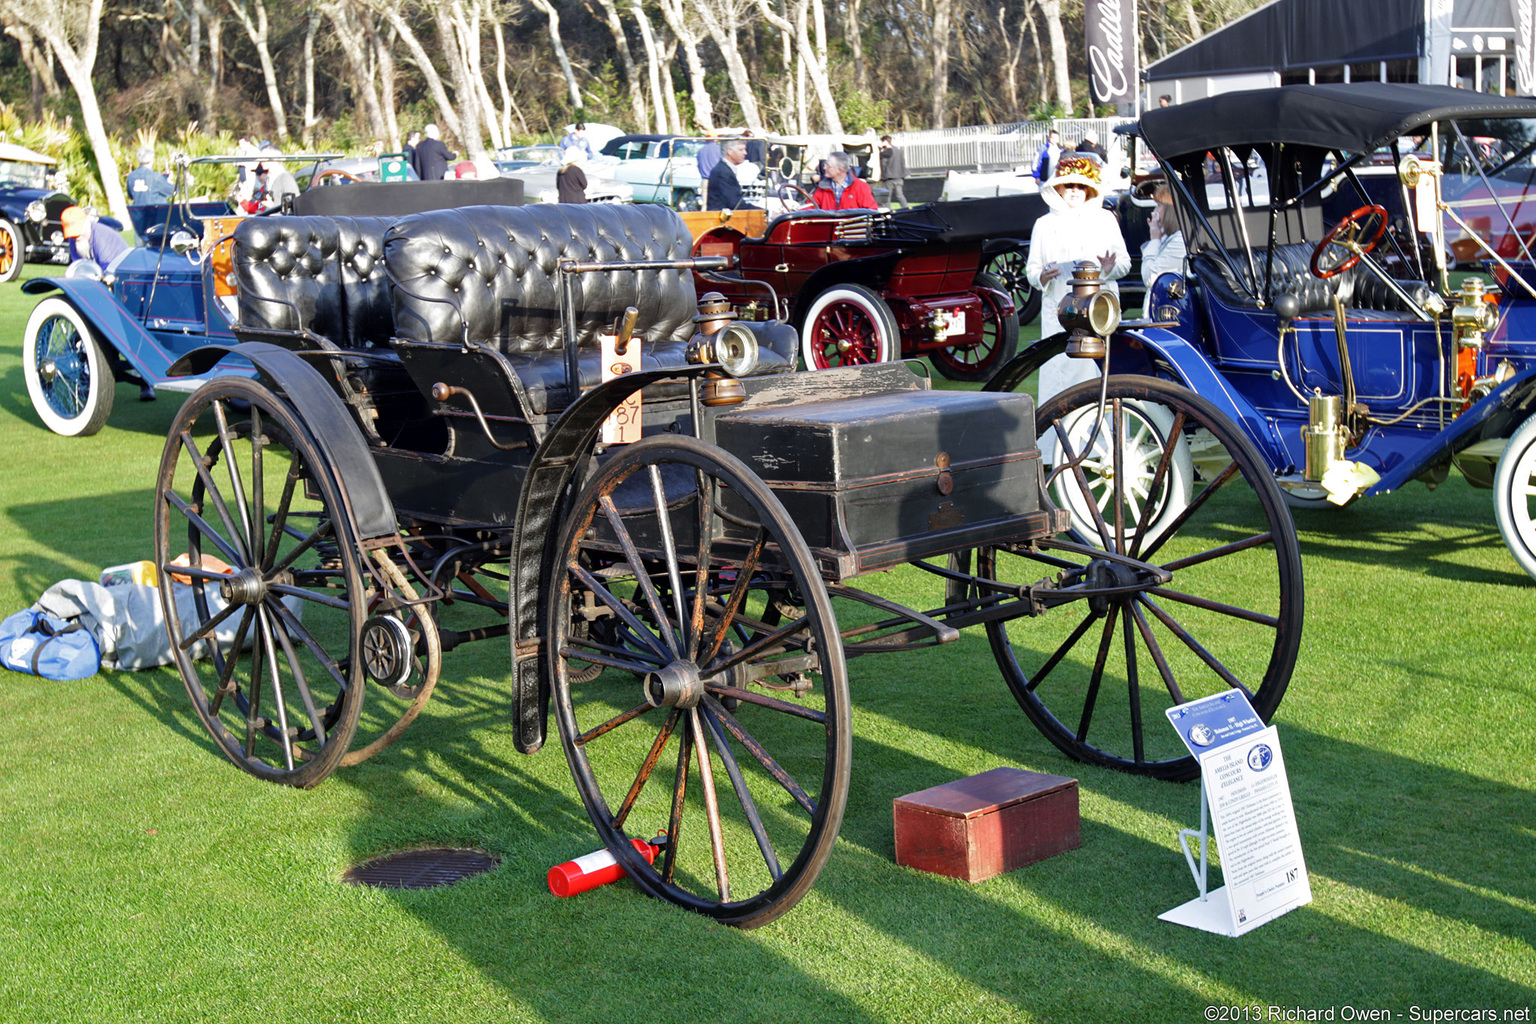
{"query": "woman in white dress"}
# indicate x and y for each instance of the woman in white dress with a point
(1077, 228)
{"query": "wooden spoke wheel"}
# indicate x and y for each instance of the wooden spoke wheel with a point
(269, 649)
(13, 251)
(1097, 675)
(721, 719)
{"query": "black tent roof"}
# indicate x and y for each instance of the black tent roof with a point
(1355, 117)
(1289, 34)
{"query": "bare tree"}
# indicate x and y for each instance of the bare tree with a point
(653, 66)
(626, 58)
(797, 25)
(1051, 10)
(350, 22)
(547, 8)
(939, 43)
(689, 37)
(252, 15)
(72, 29)
(721, 19)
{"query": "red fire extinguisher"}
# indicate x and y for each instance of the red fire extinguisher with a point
(596, 868)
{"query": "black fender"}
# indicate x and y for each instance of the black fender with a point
(871, 271)
(1018, 369)
(318, 406)
(541, 509)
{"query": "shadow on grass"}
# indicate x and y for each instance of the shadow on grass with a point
(128, 412)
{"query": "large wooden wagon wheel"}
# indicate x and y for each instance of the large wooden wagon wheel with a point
(722, 717)
(1097, 675)
(268, 642)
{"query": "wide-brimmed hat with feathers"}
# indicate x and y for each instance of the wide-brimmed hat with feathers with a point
(1074, 170)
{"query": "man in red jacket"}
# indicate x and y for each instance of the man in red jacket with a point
(841, 189)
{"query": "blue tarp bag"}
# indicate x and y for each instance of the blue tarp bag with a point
(48, 646)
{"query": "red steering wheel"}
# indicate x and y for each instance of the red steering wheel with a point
(1350, 239)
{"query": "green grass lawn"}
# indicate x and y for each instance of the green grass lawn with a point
(143, 877)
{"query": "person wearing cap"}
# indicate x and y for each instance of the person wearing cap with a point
(90, 239)
(1090, 146)
(570, 179)
(432, 156)
(147, 185)
(1076, 228)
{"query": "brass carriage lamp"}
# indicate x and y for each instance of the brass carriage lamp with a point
(1089, 312)
(719, 339)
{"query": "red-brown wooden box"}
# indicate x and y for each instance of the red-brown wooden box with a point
(989, 823)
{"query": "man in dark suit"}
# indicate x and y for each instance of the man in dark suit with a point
(724, 186)
(432, 156)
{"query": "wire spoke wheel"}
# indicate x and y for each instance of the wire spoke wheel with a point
(265, 612)
(721, 718)
(1096, 675)
(68, 378)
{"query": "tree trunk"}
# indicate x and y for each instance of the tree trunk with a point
(940, 40)
(627, 56)
(351, 29)
(854, 32)
(508, 106)
(653, 67)
(1051, 9)
(815, 69)
(720, 22)
(60, 29)
(445, 109)
(1034, 38)
(384, 60)
(307, 132)
(677, 20)
(548, 10)
(256, 27)
(215, 72)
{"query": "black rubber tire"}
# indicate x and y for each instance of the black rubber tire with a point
(1008, 267)
(257, 516)
(1099, 692)
(69, 379)
(999, 340)
(785, 759)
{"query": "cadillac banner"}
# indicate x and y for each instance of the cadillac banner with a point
(1110, 28)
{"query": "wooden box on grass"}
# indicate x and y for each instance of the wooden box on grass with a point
(989, 823)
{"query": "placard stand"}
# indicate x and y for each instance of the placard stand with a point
(1201, 872)
(1245, 799)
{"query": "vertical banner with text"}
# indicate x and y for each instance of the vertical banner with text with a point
(1109, 27)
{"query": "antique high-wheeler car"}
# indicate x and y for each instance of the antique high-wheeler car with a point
(1315, 307)
(520, 425)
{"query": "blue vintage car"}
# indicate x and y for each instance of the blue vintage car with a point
(1316, 306)
(171, 294)
(30, 207)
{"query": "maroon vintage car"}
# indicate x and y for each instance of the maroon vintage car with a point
(866, 286)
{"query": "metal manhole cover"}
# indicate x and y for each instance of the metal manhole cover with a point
(420, 869)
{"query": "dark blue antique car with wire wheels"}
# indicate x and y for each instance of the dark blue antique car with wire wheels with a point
(1315, 306)
(520, 425)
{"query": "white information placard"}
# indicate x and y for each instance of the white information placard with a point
(1244, 784)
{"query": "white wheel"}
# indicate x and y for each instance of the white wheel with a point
(68, 378)
(848, 325)
(1146, 431)
(1514, 495)
(13, 251)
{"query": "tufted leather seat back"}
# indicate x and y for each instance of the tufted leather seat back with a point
(324, 275)
(1361, 291)
(492, 270)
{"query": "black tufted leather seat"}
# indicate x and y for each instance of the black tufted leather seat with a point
(322, 276)
(488, 275)
(1364, 295)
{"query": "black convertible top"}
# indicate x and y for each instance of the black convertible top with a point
(1355, 117)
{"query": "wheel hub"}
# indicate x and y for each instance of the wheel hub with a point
(675, 685)
(387, 649)
(1106, 575)
(48, 370)
(244, 587)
